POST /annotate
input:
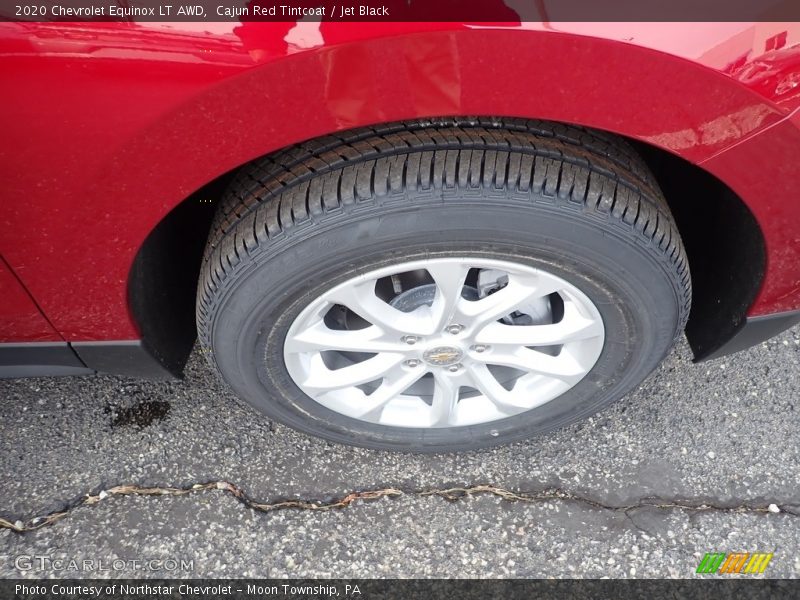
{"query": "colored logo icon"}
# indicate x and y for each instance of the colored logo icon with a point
(735, 562)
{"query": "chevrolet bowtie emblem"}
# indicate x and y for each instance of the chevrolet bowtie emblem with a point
(442, 356)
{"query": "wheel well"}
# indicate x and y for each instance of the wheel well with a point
(162, 284)
(723, 242)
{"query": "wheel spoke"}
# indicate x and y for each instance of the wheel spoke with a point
(320, 337)
(361, 299)
(449, 279)
(564, 366)
(504, 301)
(445, 399)
(486, 383)
(396, 382)
(321, 378)
(572, 327)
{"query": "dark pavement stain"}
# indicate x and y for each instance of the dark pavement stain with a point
(139, 415)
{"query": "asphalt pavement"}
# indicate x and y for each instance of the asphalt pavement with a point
(701, 458)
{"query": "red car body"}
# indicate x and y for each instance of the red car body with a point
(108, 127)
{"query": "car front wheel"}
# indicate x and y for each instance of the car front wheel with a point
(438, 286)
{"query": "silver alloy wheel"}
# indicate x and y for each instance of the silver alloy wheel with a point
(444, 342)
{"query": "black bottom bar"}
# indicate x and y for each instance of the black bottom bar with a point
(753, 331)
(367, 589)
(126, 358)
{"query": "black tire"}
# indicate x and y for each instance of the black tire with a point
(578, 203)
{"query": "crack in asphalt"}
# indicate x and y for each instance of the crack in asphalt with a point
(452, 494)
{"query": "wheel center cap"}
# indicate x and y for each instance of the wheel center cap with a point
(442, 356)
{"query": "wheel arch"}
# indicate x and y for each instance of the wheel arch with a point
(724, 243)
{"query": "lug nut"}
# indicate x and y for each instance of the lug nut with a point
(410, 339)
(413, 362)
(454, 368)
(480, 348)
(454, 329)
